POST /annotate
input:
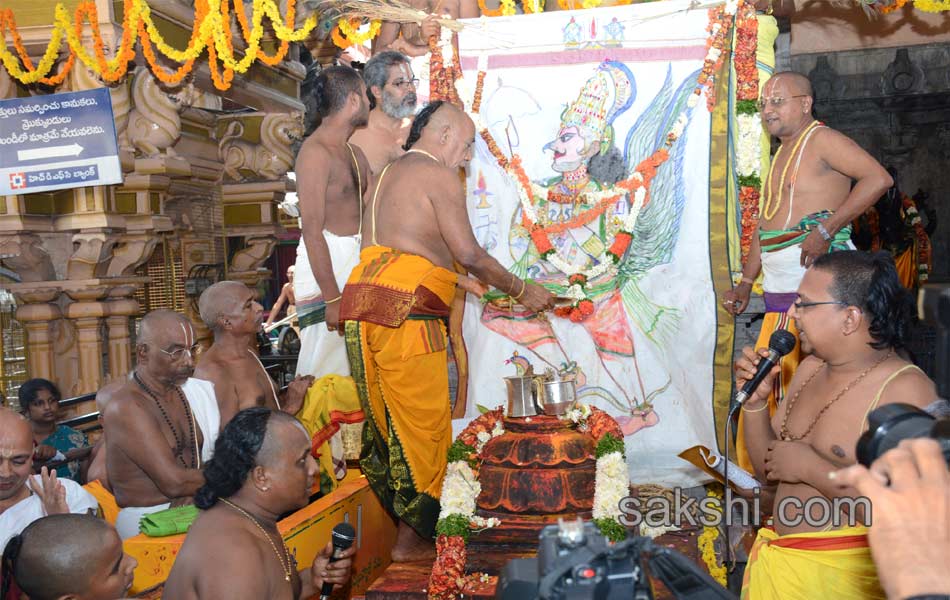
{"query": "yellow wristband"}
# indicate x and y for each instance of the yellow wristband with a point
(337, 299)
(764, 406)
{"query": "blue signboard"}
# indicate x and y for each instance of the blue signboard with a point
(58, 141)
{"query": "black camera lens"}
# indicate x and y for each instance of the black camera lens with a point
(891, 423)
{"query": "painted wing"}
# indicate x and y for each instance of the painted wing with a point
(657, 229)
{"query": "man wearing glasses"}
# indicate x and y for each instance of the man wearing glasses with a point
(161, 424)
(808, 203)
(853, 316)
(391, 89)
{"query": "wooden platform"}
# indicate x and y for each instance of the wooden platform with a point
(409, 581)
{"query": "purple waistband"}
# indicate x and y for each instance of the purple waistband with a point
(779, 302)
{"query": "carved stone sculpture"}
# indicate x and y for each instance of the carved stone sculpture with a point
(253, 256)
(24, 254)
(155, 122)
(272, 158)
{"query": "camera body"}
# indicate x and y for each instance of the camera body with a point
(575, 562)
(891, 423)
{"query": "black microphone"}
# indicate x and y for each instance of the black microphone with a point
(343, 537)
(780, 343)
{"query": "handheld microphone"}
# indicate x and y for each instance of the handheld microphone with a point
(780, 343)
(343, 537)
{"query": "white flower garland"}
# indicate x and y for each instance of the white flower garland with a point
(460, 488)
(748, 146)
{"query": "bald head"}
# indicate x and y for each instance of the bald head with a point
(443, 131)
(794, 83)
(14, 428)
(16, 455)
(221, 300)
(55, 552)
(158, 322)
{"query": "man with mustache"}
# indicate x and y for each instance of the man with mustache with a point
(229, 309)
(160, 424)
(391, 88)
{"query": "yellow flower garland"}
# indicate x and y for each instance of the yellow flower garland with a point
(591, 3)
(707, 544)
(350, 32)
(507, 7)
(932, 6)
(210, 29)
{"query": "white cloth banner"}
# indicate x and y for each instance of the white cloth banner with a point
(583, 97)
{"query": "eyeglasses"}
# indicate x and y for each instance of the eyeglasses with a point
(406, 83)
(775, 101)
(179, 353)
(800, 305)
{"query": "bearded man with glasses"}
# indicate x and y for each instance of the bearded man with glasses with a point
(391, 89)
(161, 423)
(808, 204)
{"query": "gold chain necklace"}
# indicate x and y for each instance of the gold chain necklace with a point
(786, 434)
(285, 567)
(423, 152)
(768, 210)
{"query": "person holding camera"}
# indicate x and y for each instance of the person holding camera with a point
(852, 315)
(909, 490)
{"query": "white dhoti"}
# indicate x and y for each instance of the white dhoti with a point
(322, 352)
(127, 523)
(200, 396)
(782, 270)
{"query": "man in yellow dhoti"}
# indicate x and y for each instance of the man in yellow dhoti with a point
(395, 306)
(819, 181)
(852, 315)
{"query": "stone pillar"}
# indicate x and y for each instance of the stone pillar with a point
(86, 313)
(36, 312)
(120, 308)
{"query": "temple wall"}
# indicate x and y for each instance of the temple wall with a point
(895, 103)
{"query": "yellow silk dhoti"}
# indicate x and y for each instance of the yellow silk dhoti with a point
(811, 566)
(396, 306)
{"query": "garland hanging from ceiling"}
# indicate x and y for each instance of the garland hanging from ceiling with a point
(211, 31)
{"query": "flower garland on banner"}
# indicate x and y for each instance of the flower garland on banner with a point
(460, 490)
(347, 32)
(707, 542)
(748, 122)
(443, 79)
(211, 30)
(637, 185)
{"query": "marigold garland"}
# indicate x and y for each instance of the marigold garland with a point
(748, 151)
(507, 7)
(347, 32)
(489, 12)
(211, 31)
(933, 6)
(706, 543)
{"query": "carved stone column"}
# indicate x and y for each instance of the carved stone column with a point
(36, 312)
(87, 313)
(120, 307)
